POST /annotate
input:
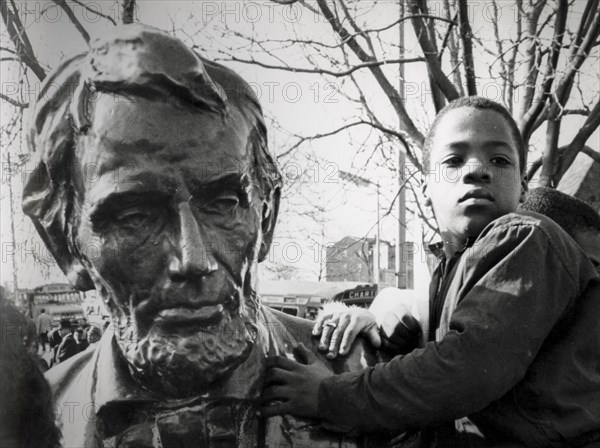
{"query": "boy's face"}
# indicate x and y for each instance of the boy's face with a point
(474, 173)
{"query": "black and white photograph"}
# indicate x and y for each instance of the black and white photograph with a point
(300, 224)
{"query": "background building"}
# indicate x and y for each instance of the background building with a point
(351, 259)
(59, 300)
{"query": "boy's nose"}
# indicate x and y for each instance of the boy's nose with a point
(192, 257)
(477, 171)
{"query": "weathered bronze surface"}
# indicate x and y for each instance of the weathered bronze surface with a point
(155, 187)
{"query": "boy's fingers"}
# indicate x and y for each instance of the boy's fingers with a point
(411, 323)
(275, 392)
(303, 355)
(400, 345)
(275, 375)
(318, 326)
(400, 334)
(349, 336)
(337, 336)
(390, 348)
(373, 337)
(275, 409)
(329, 327)
(281, 362)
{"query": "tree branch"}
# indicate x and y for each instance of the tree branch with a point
(430, 53)
(18, 36)
(595, 155)
(566, 82)
(453, 50)
(436, 93)
(584, 25)
(128, 11)
(14, 102)
(532, 62)
(550, 155)
(392, 94)
(533, 168)
(569, 153)
(74, 20)
(95, 11)
(510, 65)
(322, 71)
(537, 108)
(466, 35)
(379, 127)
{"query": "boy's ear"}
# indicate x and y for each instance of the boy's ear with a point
(425, 192)
(524, 190)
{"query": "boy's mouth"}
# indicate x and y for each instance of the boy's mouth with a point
(477, 193)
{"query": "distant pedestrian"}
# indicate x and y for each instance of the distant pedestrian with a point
(81, 340)
(43, 327)
(68, 347)
(94, 334)
(54, 339)
(85, 326)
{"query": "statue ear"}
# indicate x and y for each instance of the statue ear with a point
(49, 205)
(269, 219)
(424, 187)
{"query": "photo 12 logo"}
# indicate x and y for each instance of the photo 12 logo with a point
(73, 11)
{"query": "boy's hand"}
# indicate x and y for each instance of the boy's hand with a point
(339, 329)
(400, 316)
(296, 385)
(405, 337)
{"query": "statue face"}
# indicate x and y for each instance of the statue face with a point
(170, 230)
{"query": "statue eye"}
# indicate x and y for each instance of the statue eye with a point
(225, 203)
(133, 218)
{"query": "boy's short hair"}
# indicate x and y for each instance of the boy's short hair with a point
(481, 103)
(572, 214)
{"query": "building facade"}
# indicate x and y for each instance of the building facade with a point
(351, 259)
(59, 300)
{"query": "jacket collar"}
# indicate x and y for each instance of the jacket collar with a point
(437, 249)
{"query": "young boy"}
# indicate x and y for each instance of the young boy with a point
(518, 340)
(395, 326)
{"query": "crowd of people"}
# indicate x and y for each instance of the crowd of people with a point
(59, 341)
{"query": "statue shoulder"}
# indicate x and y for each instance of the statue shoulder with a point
(63, 374)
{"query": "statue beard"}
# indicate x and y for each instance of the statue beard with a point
(183, 365)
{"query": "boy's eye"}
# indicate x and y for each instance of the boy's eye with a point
(453, 161)
(502, 161)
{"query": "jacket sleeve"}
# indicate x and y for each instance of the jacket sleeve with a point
(515, 288)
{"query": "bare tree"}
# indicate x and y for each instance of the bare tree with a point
(541, 67)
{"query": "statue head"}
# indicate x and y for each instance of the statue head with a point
(155, 186)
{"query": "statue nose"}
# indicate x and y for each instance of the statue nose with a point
(193, 256)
